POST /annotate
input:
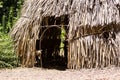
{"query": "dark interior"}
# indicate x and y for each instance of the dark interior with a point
(50, 43)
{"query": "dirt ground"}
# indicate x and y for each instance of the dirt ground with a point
(111, 73)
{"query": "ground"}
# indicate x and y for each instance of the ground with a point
(111, 73)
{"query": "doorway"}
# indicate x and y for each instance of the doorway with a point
(50, 42)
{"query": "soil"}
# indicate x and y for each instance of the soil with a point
(111, 73)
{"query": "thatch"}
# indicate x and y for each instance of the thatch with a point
(88, 20)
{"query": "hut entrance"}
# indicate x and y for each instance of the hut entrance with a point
(53, 44)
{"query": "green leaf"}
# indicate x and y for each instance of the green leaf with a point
(1, 4)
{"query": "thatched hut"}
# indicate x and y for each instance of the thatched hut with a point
(92, 31)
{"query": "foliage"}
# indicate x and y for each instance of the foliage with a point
(8, 59)
(9, 13)
(1, 4)
(62, 36)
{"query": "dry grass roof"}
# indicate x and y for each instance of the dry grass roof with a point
(81, 12)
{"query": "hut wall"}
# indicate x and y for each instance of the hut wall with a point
(91, 48)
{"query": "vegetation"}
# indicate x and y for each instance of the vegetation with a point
(7, 57)
(9, 13)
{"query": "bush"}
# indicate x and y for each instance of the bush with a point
(8, 59)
